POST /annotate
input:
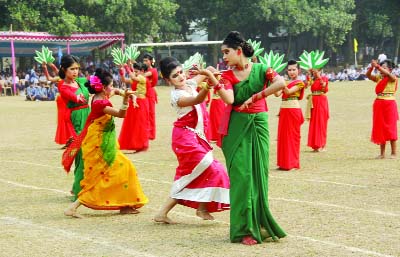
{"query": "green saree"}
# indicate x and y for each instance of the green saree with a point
(78, 119)
(246, 150)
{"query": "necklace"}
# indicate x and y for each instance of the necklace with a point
(242, 68)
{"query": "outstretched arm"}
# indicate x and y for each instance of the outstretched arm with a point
(46, 72)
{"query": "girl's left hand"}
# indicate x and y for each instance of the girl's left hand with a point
(246, 104)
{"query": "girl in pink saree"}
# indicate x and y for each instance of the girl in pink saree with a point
(200, 181)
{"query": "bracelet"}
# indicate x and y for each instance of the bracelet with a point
(254, 98)
(218, 86)
(263, 94)
(124, 107)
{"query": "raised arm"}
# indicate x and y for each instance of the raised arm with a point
(121, 112)
(369, 71)
(46, 72)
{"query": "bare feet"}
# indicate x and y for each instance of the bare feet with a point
(393, 156)
(264, 232)
(380, 157)
(205, 215)
(248, 240)
(128, 210)
(72, 213)
(164, 219)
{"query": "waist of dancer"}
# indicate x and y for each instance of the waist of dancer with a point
(291, 102)
(385, 96)
(318, 93)
(79, 107)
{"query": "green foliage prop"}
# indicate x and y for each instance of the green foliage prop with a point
(120, 58)
(45, 56)
(132, 52)
(312, 60)
(273, 60)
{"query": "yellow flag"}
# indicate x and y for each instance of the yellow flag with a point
(355, 45)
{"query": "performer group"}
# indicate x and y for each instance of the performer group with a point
(236, 119)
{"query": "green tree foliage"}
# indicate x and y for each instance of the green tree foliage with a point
(150, 20)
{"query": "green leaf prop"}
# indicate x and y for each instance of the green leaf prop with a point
(132, 52)
(256, 47)
(45, 56)
(274, 61)
(196, 59)
(119, 57)
(312, 60)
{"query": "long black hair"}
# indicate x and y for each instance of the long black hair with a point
(66, 62)
(235, 40)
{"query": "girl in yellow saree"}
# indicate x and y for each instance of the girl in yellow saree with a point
(110, 180)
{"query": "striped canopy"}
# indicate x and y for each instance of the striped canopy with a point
(25, 43)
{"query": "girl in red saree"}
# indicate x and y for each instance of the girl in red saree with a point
(385, 114)
(134, 133)
(75, 95)
(246, 141)
(290, 120)
(152, 75)
(200, 181)
(110, 180)
(318, 128)
(64, 131)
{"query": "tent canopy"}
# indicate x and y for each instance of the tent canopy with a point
(25, 43)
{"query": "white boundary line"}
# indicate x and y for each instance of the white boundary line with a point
(392, 214)
(158, 164)
(348, 248)
(57, 232)
(134, 252)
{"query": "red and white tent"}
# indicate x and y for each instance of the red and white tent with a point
(20, 43)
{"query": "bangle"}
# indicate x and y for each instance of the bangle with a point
(218, 86)
(254, 98)
(263, 95)
(124, 107)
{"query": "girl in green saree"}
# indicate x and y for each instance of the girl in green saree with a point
(245, 142)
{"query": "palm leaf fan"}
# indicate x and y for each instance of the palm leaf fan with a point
(273, 61)
(132, 52)
(312, 60)
(45, 56)
(195, 59)
(256, 47)
(119, 57)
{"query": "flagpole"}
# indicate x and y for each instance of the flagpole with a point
(355, 60)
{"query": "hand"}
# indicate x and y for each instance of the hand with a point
(122, 72)
(374, 63)
(246, 104)
(81, 99)
(134, 98)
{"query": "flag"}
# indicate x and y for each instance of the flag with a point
(355, 45)
(60, 54)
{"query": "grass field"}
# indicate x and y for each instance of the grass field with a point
(342, 202)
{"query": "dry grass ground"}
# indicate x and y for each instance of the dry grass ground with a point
(342, 202)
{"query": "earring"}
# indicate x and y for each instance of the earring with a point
(239, 52)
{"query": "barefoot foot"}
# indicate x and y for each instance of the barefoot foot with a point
(205, 215)
(72, 213)
(163, 219)
(380, 157)
(248, 240)
(128, 210)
